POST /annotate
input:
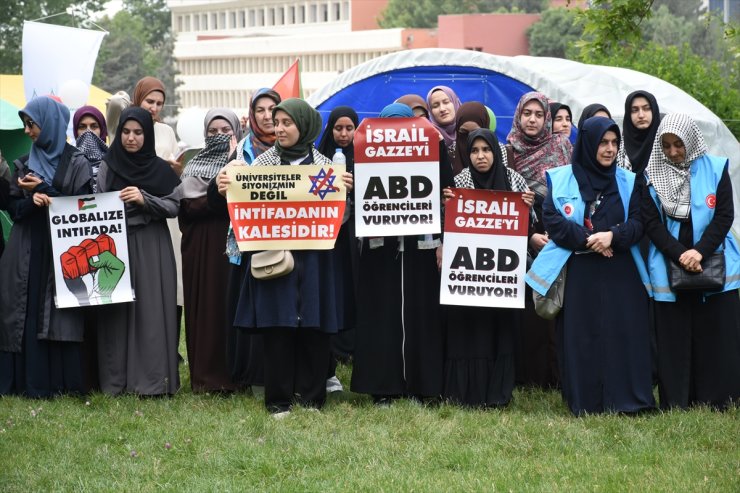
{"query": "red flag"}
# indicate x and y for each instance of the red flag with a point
(289, 85)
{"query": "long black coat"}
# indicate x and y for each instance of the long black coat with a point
(26, 267)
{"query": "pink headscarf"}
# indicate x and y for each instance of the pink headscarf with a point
(535, 155)
(449, 131)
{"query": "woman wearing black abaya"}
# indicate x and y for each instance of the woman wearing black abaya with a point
(137, 342)
(205, 268)
(479, 349)
(40, 350)
(688, 210)
(592, 214)
(400, 335)
(641, 121)
(339, 134)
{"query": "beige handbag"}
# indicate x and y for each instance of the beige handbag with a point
(271, 264)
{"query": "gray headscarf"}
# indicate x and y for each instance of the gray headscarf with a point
(214, 156)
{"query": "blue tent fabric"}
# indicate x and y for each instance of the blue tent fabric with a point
(368, 96)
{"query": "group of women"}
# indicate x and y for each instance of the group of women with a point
(612, 210)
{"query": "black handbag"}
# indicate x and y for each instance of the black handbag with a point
(711, 278)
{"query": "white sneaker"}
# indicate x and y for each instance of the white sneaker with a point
(281, 415)
(333, 385)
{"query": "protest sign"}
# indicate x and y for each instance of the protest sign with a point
(286, 207)
(485, 249)
(396, 177)
(90, 250)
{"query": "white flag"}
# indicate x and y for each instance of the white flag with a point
(59, 60)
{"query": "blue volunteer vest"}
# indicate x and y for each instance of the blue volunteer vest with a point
(706, 173)
(567, 199)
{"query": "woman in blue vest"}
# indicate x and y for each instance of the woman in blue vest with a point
(593, 220)
(688, 211)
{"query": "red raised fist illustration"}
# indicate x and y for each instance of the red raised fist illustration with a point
(76, 260)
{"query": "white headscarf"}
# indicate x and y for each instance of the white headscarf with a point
(672, 180)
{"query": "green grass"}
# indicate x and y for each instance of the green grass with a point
(230, 443)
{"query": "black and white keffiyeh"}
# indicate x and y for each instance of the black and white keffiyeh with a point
(209, 161)
(516, 181)
(672, 180)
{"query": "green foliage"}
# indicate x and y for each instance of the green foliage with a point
(555, 34)
(155, 15)
(197, 442)
(140, 43)
(715, 84)
(609, 24)
(14, 12)
(423, 13)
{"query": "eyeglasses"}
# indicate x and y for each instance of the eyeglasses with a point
(29, 124)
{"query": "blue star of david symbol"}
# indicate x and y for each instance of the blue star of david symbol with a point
(323, 183)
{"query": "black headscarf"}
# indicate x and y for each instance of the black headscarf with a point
(494, 178)
(590, 111)
(328, 145)
(592, 177)
(142, 169)
(638, 144)
(555, 107)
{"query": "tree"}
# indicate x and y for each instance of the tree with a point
(706, 80)
(424, 13)
(609, 24)
(555, 33)
(140, 43)
(13, 13)
(706, 68)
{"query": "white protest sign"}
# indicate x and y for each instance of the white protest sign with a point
(396, 177)
(90, 250)
(484, 257)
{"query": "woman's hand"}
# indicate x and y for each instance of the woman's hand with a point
(41, 200)
(538, 241)
(601, 243)
(690, 260)
(348, 180)
(29, 182)
(132, 195)
(222, 179)
(176, 164)
(232, 144)
(439, 257)
(528, 198)
(448, 194)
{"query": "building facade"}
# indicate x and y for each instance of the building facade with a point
(225, 50)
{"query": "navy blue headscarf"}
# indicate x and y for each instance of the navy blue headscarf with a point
(591, 176)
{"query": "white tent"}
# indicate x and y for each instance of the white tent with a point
(572, 83)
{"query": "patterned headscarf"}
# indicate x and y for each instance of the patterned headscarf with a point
(260, 140)
(672, 180)
(52, 118)
(448, 131)
(535, 155)
(93, 112)
(91, 146)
